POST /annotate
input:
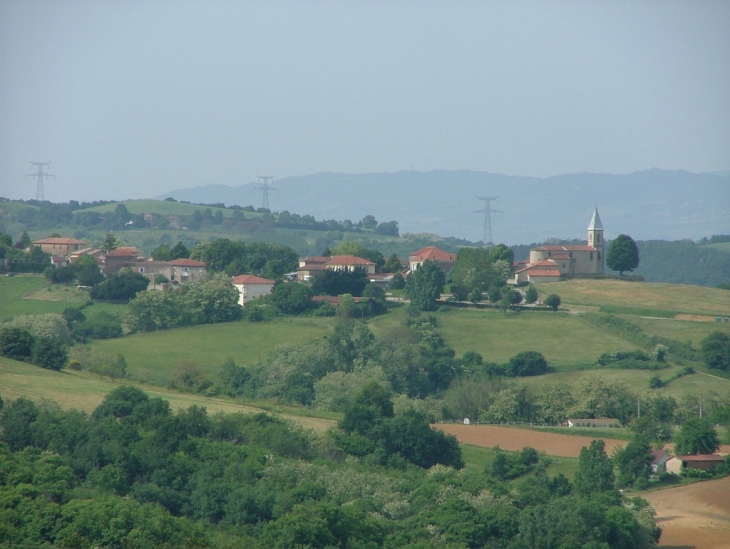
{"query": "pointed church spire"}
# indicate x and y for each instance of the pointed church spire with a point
(595, 224)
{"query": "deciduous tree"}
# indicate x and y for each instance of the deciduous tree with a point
(716, 351)
(424, 286)
(595, 470)
(696, 436)
(623, 254)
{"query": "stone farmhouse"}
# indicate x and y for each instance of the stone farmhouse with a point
(59, 246)
(550, 263)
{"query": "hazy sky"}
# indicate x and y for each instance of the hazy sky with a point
(130, 99)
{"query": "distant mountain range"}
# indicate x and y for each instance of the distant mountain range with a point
(651, 204)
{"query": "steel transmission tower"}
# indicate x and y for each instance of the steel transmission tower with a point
(487, 211)
(40, 175)
(265, 187)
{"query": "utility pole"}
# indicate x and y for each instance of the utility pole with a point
(265, 187)
(487, 211)
(39, 175)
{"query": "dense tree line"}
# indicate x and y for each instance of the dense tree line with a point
(199, 302)
(234, 258)
(135, 474)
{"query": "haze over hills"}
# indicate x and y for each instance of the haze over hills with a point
(651, 204)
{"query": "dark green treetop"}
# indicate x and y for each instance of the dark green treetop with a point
(623, 254)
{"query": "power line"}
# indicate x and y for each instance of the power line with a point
(39, 175)
(487, 211)
(265, 187)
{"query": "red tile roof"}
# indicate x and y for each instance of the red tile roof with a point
(545, 265)
(348, 260)
(58, 241)
(315, 259)
(576, 248)
(123, 252)
(432, 253)
(313, 267)
(538, 273)
(250, 279)
(701, 457)
(185, 262)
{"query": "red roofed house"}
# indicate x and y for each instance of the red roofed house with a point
(119, 258)
(252, 287)
(675, 464)
(187, 270)
(312, 266)
(446, 260)
(350, 263)
(59, 246)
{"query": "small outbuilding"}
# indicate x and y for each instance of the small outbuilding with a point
(703, 462)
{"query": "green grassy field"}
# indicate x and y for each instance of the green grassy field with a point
(565, 340)
(568, 342)
(152, 357)
(26, 294)
(85, 391)
(679, 330)
(664, 297)
(638, 381)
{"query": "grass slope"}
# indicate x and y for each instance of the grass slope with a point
(153, 357)
(27, 294)
(85, 391)
(163, 207)
(565, 340)
(678, 298)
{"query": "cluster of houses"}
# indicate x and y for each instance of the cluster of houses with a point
(546, 263)
(181, 271)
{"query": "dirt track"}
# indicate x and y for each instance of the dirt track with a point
(513, 439)
(695, 516)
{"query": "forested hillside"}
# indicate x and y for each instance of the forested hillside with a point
(136, 474)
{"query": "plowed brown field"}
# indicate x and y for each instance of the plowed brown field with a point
(696, 516)
(513, 439)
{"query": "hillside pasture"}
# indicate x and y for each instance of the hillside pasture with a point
(31, 294)
(637, 381)
(679, 298)
(565, 340)
(84, 391)
(680, 330)
(152, 357)
(163, 207)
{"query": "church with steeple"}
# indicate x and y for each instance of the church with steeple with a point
(549, 263)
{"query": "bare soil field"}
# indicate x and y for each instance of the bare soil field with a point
(696, 318)
(696, 516)
(514, 439)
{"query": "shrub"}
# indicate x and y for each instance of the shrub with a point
(527, 363)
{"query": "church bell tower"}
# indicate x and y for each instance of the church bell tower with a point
(595, 239)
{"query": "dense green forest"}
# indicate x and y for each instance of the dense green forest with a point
(135, 474)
